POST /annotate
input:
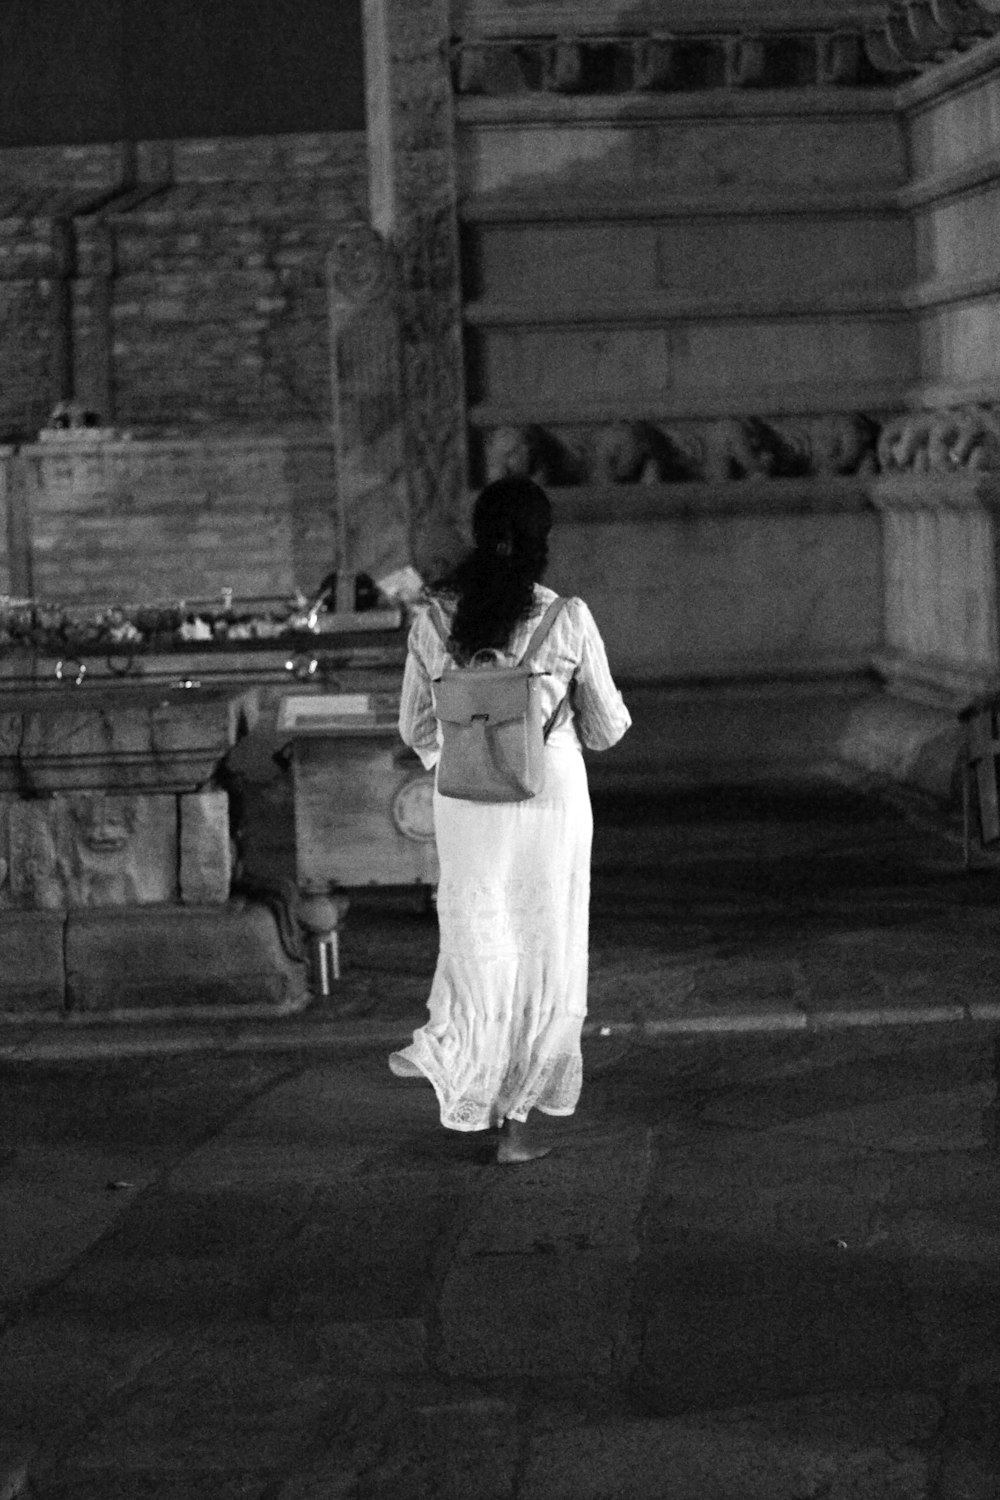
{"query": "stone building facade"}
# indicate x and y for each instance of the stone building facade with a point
(724, 277)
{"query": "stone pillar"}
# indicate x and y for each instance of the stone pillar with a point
(413, 206)
(92, 330)
(941, 539)
(368, 414)
(15, 538)
(941, 544)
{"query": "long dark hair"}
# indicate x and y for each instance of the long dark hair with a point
(495, 583)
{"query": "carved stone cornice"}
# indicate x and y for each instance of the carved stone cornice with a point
(587, 17)
(669, 452)
(555, 50)
(654, 207)
(916, 34)
(413, 198)
(972, 490)
(620, 63)
(953, 443)
(954, 440)
(959, 72)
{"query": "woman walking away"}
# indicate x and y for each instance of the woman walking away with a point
(509, 994)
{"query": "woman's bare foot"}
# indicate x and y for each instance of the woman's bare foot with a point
(514, 1144)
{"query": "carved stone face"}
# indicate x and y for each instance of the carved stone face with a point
(93, 849)
(507, 452)
(104, 825)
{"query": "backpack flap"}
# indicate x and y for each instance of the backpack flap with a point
(493, 738)
(495, 695)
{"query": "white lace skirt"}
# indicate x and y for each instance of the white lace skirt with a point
(509, 994)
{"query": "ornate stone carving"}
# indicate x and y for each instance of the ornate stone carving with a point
(359, 265)
(719, 450)
(941, 442)
(93, 849)
(746, 61)
(563, 70)
(533, 451)
(368, 419)
(640, 453)
(410, 119)
(842, 444)
(653, 59)
(918, 33)
(620, 63)
(838, 58)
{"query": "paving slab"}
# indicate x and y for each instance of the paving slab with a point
(899, 1125)
(341, 1268)
(54, 1204)
(55, 1375)
(813, 904)
(228, 1401)
(761, 1260)
(543, 1315)
(840, 1448)
(593, 1197)
(160, 1485)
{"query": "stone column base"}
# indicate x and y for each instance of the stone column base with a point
(148, 962)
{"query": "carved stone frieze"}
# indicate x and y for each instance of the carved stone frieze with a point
(915, 34)
(955, 439)
(90, 849)
(644, 452)
(941, 442)
(622, 63)
(359, 265)
(411, 132)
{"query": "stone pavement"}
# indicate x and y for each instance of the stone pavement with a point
(714, 909)
(754, 1268)
(762, 1262)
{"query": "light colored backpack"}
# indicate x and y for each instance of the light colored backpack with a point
(491, 722)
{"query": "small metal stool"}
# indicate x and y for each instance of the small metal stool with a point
(321, 916)
(982, 747)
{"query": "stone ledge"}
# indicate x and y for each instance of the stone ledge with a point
(32, 968)
(179, 960)
(906, 742)
(696, 733)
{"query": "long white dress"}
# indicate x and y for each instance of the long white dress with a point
(509, 994)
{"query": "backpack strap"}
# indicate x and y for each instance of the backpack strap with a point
(542, 629)
(437, 619)
(545, 624)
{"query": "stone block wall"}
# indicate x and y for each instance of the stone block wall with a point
(114, 849)
(173, 284)
(953, 136)
(41, 190)
(216, 303)
(710, 581)
(942, 626)
(146, 520)
(628, 261)
(175, 289)
(685, 264)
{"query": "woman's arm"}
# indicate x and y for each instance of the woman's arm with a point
(601, 715)
(417, 724)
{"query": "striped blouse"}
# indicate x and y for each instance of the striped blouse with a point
(573, 650)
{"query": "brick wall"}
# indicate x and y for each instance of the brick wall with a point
(178, 288)
(140, 521)
(174, 285)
